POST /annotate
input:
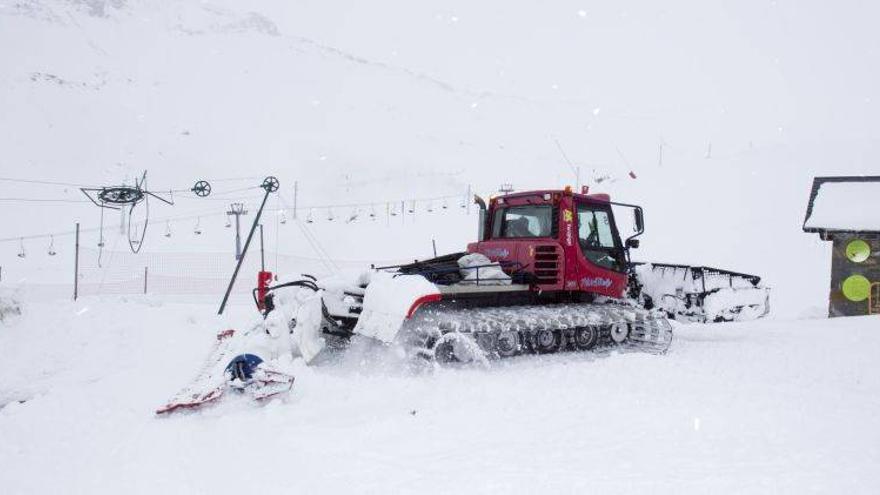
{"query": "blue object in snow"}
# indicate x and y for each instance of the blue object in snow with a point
(242, 367)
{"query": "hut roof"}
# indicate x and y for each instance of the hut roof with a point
(844, 204)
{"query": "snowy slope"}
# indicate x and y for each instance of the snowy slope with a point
(767, 407)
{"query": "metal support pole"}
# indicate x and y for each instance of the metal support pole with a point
(237, 238)
(262, 251)
(237, 210)
(270, 185)
(76, 266)
(145, 280)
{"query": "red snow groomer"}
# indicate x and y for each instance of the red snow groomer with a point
(549, 271)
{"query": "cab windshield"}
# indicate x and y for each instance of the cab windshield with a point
(597, 237)
(523, 221)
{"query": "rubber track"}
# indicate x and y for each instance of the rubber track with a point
(649, 331)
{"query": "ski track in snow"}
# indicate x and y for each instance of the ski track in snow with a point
(768, 406)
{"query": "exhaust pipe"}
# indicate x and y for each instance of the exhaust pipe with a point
(481, 227)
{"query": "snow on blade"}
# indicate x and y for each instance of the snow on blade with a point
(387, 302)
(307, 334)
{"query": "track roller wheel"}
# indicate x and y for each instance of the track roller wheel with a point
(547, 341)
(508, 344)
(619, 332)
(456, 348)
(585, 338)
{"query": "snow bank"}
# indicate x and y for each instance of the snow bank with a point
(387, 300)
(846, 206)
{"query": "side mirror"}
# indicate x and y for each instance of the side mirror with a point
(632, 243)
(640, 220)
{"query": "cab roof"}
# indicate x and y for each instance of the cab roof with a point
(603, 197)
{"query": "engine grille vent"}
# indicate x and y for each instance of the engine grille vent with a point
(547, 264)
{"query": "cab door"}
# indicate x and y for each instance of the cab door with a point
(602, 264)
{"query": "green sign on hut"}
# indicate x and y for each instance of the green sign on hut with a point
(846, 211)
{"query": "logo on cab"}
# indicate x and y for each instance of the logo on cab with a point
(568, 218)
(497, 252)
(593, 282)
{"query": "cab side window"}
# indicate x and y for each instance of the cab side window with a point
(597, 238)
(594, 228)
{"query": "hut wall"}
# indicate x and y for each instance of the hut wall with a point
(842, 268)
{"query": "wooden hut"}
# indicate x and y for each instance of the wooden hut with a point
(846, 212)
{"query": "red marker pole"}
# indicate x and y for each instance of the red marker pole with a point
(264, 279)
